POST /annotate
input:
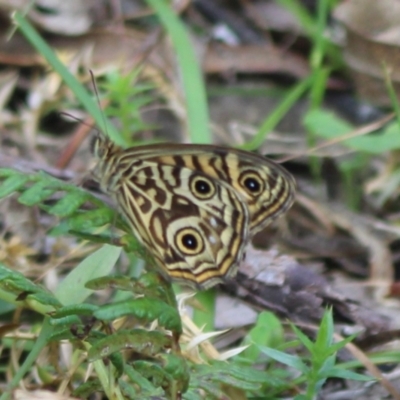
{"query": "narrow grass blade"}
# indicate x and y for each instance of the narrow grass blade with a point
(193, 84)
(80, 92)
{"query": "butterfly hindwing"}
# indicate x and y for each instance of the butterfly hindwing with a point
(195, 226)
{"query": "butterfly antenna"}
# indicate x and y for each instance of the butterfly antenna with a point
(98, 103)
(81, 121)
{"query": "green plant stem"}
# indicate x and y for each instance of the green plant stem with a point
(319, 73)
(319, 41)
(276, 115)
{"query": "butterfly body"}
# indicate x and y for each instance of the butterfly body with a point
(194, 207)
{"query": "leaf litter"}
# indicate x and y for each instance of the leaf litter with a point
(324, 254)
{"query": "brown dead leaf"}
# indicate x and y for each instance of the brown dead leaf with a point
(354, 243)
(269, 280)
(102, 44)
(72, 17)
(380, 259)
(221, 58)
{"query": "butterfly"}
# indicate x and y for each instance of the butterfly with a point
(193, 207)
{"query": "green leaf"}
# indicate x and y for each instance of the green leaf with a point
(230, 380)
(12, 184)
(72, 289)
(37, 193)
(329, 126)
(137, 378)
(267, 331)
(287, 359)
(85, 390)
(145, 309)
(175, 364)
(337, 346)
(68, 204)
(328, 363)
(326, 124)
(75, 309)
(242, 372)
(145, 343)
(66, 321)
(152, 371)
(115, 282)
(337, 372)
(23, 291)
(149, 284)
(87, 220)
(64, 332)
(7, 172)
(5, 306)
(325, 334)
(387, 139)
(303, 338)
(119, 363)
(44, 297)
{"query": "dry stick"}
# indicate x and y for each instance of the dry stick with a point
(361, 356)
(358, 132)
(81, 133)
(78, 137)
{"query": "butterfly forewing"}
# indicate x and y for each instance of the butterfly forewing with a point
(266, 187)
(194, 207)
